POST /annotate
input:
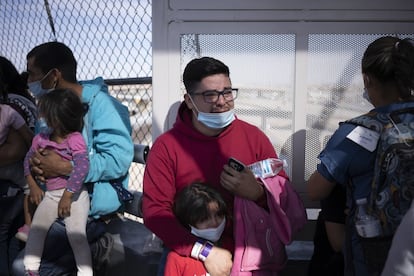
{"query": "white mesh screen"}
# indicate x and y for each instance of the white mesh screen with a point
(262, 66)
(334, 87)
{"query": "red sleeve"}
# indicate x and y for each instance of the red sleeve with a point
(158, 197)
(172, 265)
(177, 265)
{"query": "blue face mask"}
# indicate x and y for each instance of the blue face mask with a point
(36, 89)
(365, 95)
(215, 120)
(43, 127)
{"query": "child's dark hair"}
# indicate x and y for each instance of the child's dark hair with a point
(191, 204)
(62, 110)
(391, 61)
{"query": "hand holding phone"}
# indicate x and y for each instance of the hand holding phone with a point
(236, 164)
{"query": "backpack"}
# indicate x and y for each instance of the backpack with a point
(392, 188)
(25, 107)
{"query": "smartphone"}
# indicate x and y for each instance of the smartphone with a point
(236, 164)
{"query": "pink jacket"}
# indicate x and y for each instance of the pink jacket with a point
(261, 236)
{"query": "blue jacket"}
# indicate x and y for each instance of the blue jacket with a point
(107, 133)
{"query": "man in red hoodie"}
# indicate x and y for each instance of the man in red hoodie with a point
(205, 135)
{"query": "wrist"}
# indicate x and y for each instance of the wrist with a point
(201, 250)
(197, 247)
(262, 199)
(205, 251)
(31, 182)
(67, 168)
(260, 193)
(67, 194)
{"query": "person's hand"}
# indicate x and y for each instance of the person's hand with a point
(36, 194)
(64, 204)
(47, 163)
(243, 184)
(218, 262)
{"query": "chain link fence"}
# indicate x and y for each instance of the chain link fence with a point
(109, 38)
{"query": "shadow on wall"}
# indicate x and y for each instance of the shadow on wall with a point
(171, 115)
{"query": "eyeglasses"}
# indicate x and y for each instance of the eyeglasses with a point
(212, 96)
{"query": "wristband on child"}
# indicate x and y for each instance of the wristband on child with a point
(71, 169)
(205, 251)
(197, 249)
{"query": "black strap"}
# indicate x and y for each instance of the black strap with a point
(349, 230)
(395, 114)
(123, 194)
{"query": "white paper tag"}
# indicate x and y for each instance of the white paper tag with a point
(364, 137)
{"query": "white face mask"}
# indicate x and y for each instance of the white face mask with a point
(365, 95)
(211, 234)
(215, 120)
(36, 89)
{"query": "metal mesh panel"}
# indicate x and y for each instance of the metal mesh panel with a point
(109, 38)
(262, 67)
(334, 87)
(137, 98)
(265, 92)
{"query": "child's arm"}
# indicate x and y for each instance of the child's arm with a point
(80, 162)
(74, 184)
(80, 170)
(36, 194)
(64, 204)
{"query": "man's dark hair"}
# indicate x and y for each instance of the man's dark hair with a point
(50, 55)
(63, 111)
(199, 68)
(191, 204)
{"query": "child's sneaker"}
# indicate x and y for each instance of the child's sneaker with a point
(23, 233)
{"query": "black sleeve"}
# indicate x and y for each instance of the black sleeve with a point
(333, 207)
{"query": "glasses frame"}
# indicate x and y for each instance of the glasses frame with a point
(234, 93)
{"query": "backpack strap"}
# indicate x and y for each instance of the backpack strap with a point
(395, 115)
(371, 120)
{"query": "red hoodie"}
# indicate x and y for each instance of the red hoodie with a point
(182, 156)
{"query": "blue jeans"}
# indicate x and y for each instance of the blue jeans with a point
(57, 258)
(11, 218)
